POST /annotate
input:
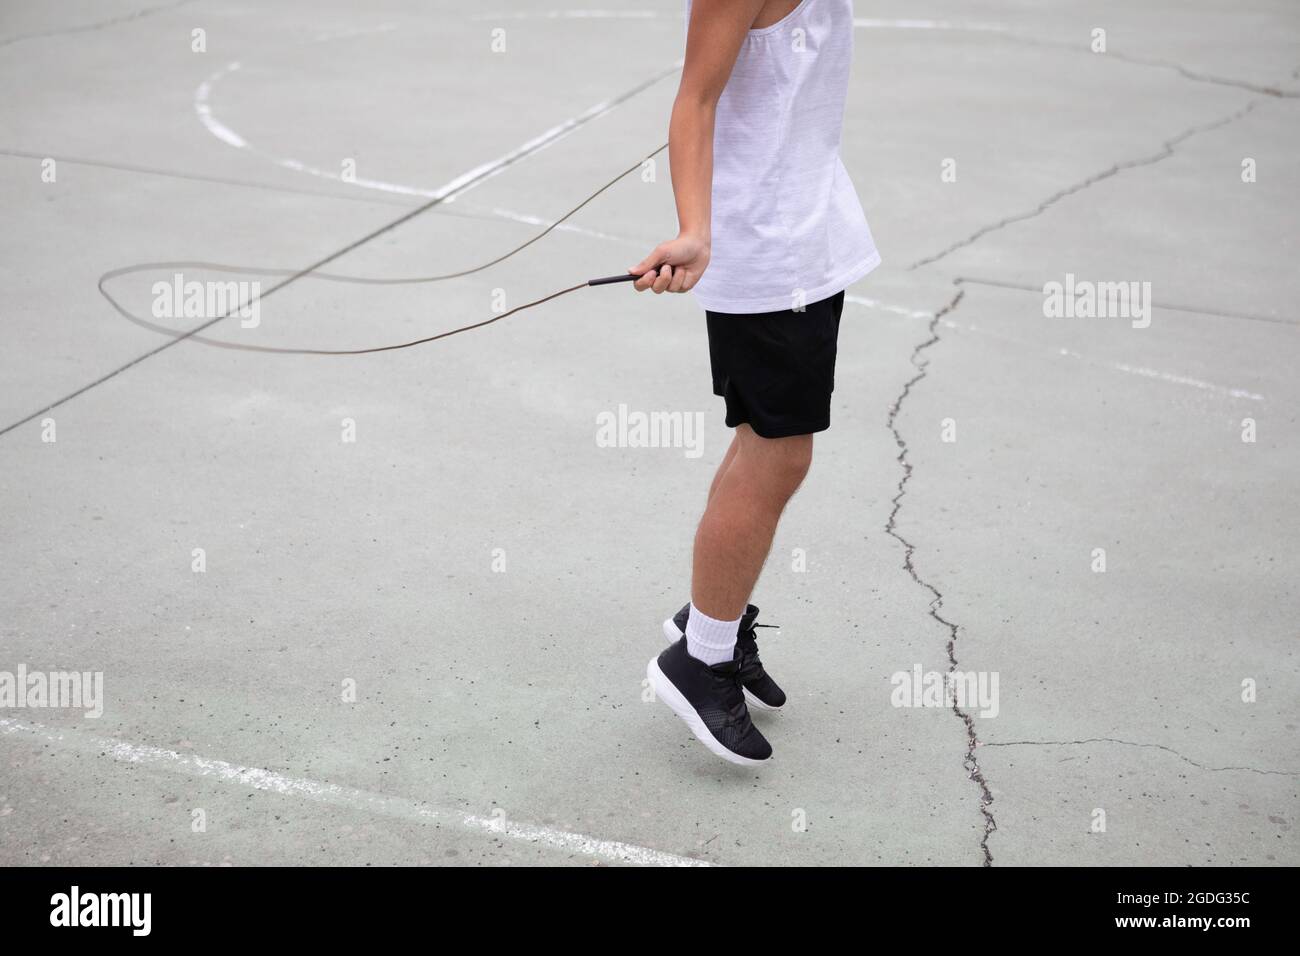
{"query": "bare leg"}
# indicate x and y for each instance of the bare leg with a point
(726, 463)
(744, 507)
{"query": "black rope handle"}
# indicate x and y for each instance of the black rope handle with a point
(608, 280)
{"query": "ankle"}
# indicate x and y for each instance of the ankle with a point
(709, 639)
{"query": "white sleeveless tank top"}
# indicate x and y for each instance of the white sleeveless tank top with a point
(788, 229)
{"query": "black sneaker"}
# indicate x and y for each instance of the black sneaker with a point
(760, 690)
(710, 701)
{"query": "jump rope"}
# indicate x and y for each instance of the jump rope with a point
(357, 280)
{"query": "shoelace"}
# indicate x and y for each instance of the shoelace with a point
(751, 666)
(733, 698)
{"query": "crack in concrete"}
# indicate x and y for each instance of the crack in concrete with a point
(891, 528)
(1134, 743)
(1166, 151)
(1156, 64)
(100, 25)
(1208, 78)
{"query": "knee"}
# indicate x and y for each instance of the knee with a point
(790, 464)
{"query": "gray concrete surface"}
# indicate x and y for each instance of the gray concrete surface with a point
(493, 723)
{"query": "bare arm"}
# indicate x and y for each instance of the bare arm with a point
(713, 39)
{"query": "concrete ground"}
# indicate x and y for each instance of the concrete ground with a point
(427, 645)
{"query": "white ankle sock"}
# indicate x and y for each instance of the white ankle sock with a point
(709, 640)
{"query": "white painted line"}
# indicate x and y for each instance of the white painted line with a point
(895, 309)
(870, 24)
(576, 15)
(461, 184)
(1169, 378)
(345, 797)
(203, 109)
(865, 23)
(544, 140)
(531, 220)
(201, 106)
(1174, 379)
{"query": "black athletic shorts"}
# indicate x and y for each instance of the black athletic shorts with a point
(776, 370)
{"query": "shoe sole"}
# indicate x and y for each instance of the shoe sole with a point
(667, 692)
(672, 635)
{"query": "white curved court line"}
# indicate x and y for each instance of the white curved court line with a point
(447, 192)
(346, 797)
(203, 94)
(485, 171)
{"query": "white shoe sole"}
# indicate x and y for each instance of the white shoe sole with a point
(666, 691)
(673, 636)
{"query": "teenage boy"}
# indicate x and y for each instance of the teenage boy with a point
(770, 234)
